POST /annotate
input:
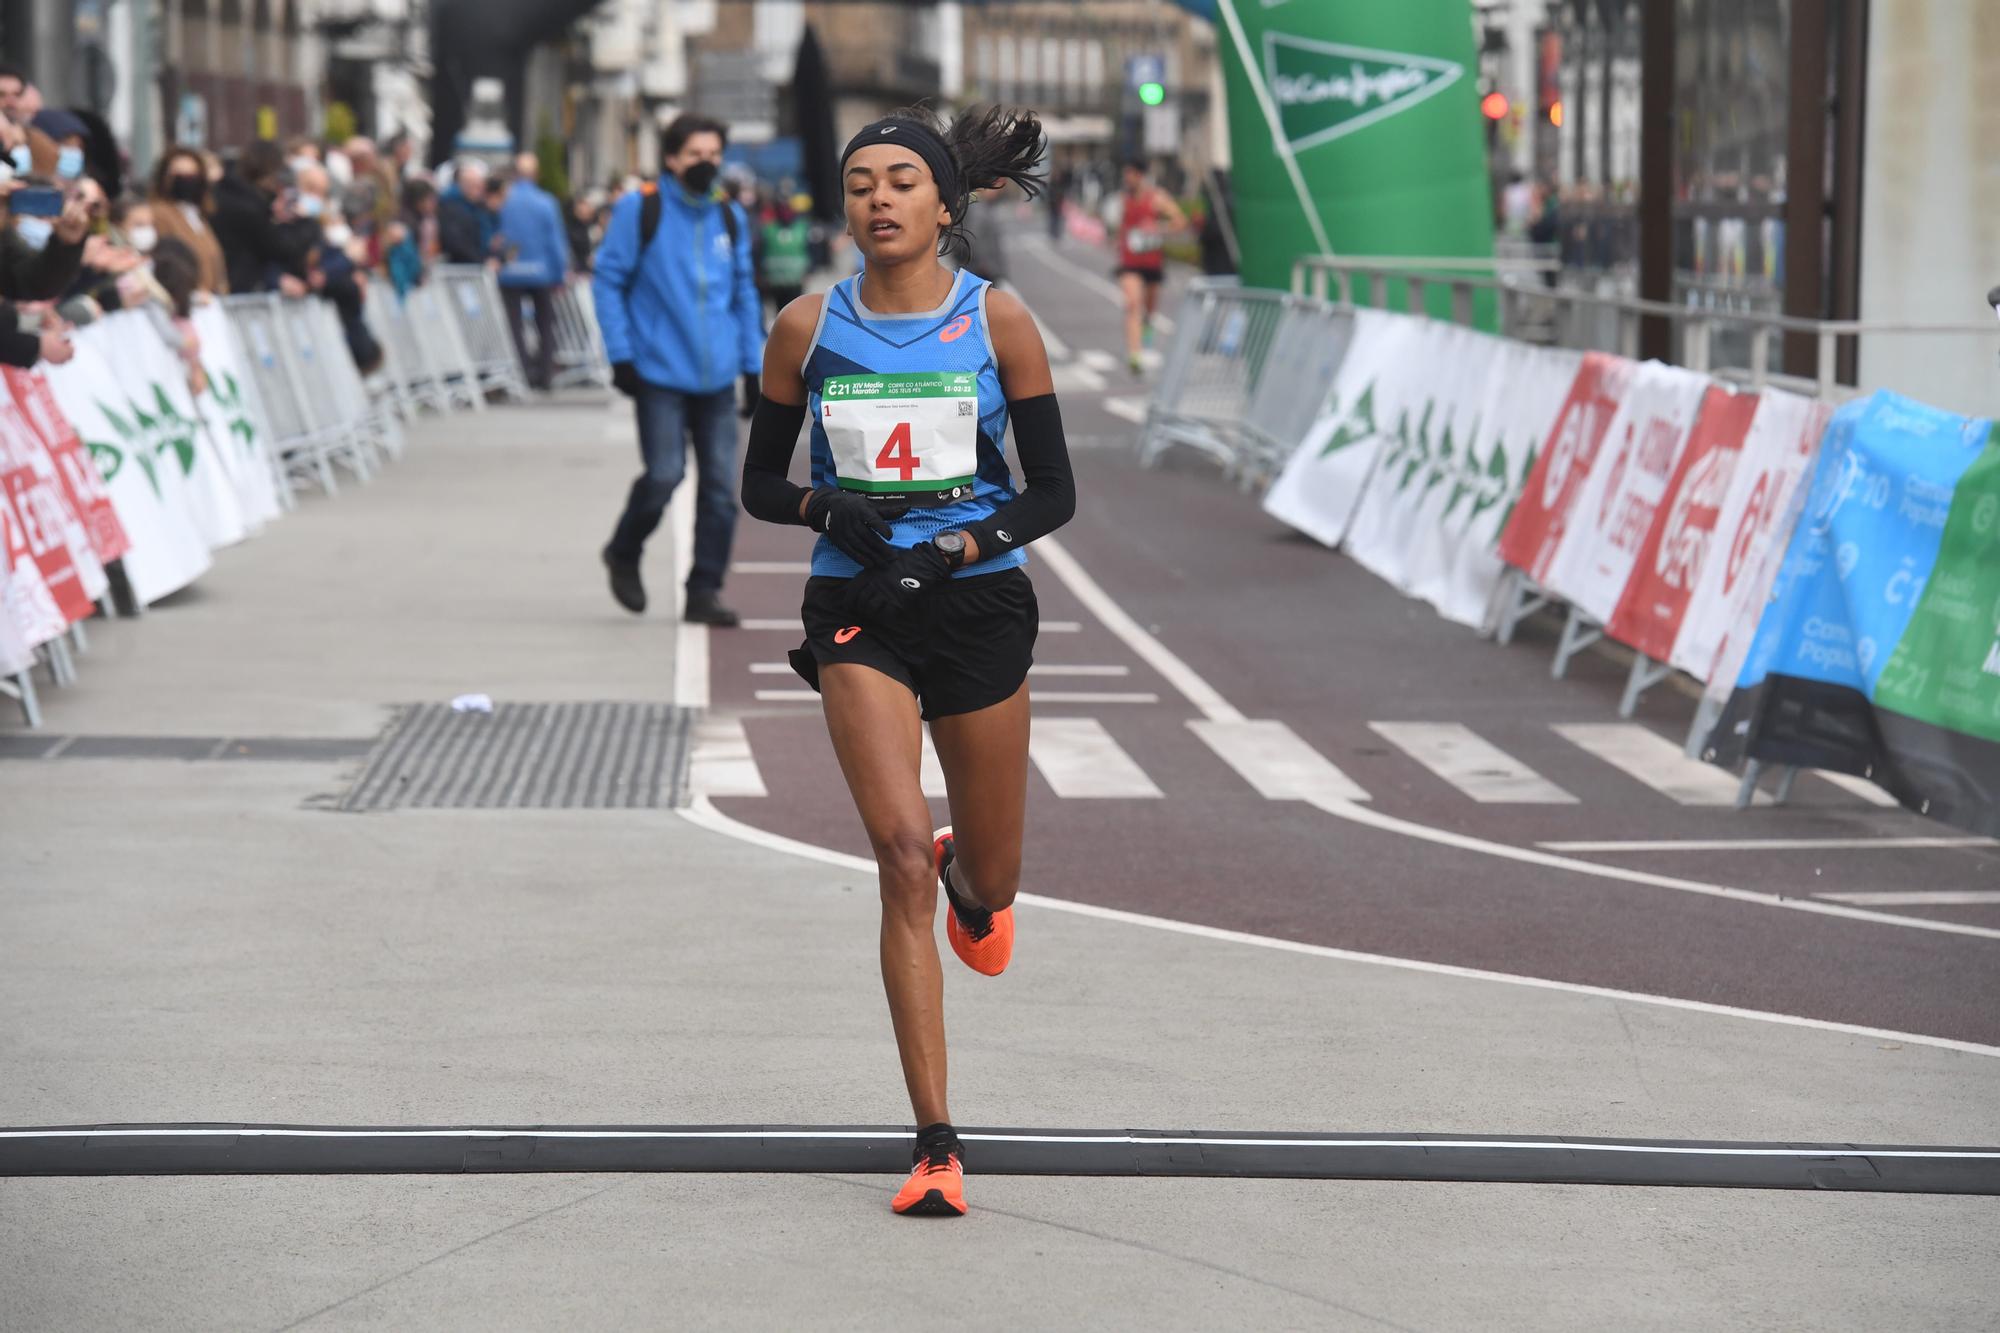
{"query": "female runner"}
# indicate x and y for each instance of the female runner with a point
(917, 609)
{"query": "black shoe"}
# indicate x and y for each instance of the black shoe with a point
(625, 585)
(706, 608)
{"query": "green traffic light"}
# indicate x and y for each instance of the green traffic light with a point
(1152, 94)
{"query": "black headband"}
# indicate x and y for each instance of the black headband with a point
(920, 139)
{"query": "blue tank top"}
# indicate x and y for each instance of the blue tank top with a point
(940, 365)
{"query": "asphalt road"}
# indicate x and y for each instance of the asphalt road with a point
(1411, 850)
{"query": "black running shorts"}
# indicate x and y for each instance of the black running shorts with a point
(971, 651)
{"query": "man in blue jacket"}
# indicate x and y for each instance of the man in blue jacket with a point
(537, 249)
(681, 320)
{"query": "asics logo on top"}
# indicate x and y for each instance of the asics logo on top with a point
(955, 330)
(843, 635)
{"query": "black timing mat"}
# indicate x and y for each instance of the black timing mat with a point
(246, 1149)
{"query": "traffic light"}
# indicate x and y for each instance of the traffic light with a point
(1493, 106)
(1556, 114)
(1152, 94)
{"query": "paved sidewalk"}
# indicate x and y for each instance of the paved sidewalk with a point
(204, 942)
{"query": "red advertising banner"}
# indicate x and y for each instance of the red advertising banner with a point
(38, 518)
(1535, 529)
(1648, 614)
(82, 484)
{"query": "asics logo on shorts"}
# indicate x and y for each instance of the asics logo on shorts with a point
(912, 584)
(843, 635)
(955, 330)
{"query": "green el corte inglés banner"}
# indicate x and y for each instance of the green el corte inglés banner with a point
(1355, 131)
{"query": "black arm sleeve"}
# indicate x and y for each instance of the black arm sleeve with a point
(1049, 499)
(16, 348)
(767, 492)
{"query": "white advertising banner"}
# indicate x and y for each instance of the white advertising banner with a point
(235, 418)
(1730, 590)
(155, 379)
(1613, 513)
(1321, 484)
(136, 458)
(1448, 477)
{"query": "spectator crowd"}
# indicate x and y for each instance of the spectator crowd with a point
(85, 231)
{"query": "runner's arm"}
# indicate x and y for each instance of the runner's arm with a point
(1048, 499)
(768, 492)
(1170, 210)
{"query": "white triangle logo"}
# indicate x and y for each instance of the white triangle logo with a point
(1327, 90)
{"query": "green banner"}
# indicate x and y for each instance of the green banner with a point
(1355, 130)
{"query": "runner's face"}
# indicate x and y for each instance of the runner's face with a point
(893, 210)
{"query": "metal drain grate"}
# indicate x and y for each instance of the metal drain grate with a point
(577, 756)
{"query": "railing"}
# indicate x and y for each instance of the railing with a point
(1537, 312)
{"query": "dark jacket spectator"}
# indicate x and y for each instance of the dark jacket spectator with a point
(21, 348)
(28, 274)
(257, 248)
(465, 224)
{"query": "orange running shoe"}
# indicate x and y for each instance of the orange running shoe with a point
(936, 1187)
(982, 939)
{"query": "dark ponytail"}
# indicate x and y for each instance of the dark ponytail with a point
(990, 146)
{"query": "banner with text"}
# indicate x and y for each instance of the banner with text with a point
(1879, 652)
(1534, 531)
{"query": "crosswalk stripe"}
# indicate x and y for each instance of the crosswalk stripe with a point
(1655, 761)
(792, 625)
(787, 696)
(1080, 760)
(1272, 758)
(1131, 409)
(1093, 697)
(1469, 762)
(771, 567)
(1069, 669)
(720, 763)
(1861, 787)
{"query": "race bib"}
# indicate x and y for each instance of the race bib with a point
(899, 432)
(1143, 240)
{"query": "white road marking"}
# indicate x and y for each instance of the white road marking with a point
(771, 567)
(1058, 626)
(1075, 378)
(1060, 669)
(1766, 845)
(1052, 342)
(720, 763)
(1080, 760)
(1469, 762)
(703, 814)
(1655, 761)
(1918, 898)
(770, 668)
(1093, 697)
(1148, 649)
(1861, 787)
(1131, 409)
(1099, 360)
(781, 625)
(787, 696)
(1272, 758)
(1205, 698)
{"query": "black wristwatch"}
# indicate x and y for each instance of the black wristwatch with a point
(953, 546)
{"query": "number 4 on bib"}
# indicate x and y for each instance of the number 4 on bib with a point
(896, 455)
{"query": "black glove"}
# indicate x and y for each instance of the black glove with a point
(856, 524)
(750, 391)
(625, 378)
(893, 593)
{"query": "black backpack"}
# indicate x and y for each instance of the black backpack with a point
(649, 216)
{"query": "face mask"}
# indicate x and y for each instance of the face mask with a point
(69, 163)
(23, 160)
(698, 178)
(339, 235)
(187, 189)
(35, 231)
(311, 205)
(143, 239)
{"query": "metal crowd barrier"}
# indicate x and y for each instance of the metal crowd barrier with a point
(1244, 378)
(580, 356)
(475, 299)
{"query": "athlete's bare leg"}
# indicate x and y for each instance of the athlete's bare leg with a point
(878, 736)
(1132, 287)
(984, 756)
